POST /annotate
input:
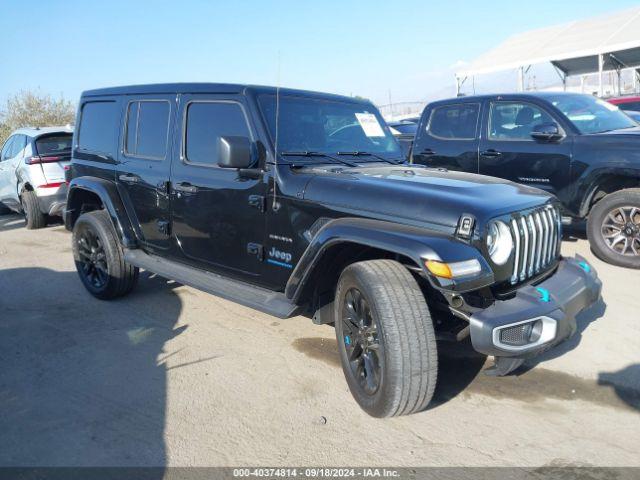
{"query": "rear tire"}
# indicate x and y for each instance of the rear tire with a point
(392, 330)
(33, 217)
(613, 228)
(99, 257)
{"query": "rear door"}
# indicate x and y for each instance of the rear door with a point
(508, 151)
(14, 155)
(5, 184)
(143, 167)
(448, 137)
(218, 218)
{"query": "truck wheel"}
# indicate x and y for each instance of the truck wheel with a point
(385, 338)
(99, 257)
(613, 228)
(33, 217)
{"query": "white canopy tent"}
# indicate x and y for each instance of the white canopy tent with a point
(605, 43)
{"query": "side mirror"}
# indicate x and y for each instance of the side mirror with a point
(546, 132)
(234, 152)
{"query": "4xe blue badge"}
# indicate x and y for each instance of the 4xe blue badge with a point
(544, 294)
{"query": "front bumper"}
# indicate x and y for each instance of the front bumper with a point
(537, 317)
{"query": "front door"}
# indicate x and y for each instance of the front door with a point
(217, 213)
(507, 149)
(143, 168)
(447, 138)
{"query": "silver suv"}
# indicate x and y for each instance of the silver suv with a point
(32, 173)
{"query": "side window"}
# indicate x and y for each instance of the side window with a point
(454, 122)
(98, 130)
(515, 120)
(208, 121)
(19, 142)
(6, 149)
(147, 129)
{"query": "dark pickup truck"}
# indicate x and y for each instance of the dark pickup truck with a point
(580, 148)
(300, 203)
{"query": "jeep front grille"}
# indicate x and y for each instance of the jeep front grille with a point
(537, 236)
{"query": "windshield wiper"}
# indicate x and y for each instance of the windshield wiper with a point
(307, 153)
(359, 153)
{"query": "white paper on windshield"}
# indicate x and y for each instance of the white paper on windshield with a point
(370, 124)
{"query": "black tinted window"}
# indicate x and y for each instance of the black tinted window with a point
(633, 106)
(52, 144)
(454, 121)
(99, 127)
(206, 123)
(147, 127)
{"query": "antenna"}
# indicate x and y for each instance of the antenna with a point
(276, 205)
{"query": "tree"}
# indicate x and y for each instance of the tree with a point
(29, 109)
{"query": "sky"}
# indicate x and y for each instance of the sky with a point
(404, 50)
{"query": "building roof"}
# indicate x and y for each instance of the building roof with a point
(573, 48)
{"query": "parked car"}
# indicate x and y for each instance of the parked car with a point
(32, 175)
(294, 202)
(580, 148)
(626, 103)
(405, 132)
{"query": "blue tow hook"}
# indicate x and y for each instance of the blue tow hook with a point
(544, 294)
(347, 340)
(585, 266)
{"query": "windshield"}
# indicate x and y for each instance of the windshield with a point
(328, 126)
(590, 114)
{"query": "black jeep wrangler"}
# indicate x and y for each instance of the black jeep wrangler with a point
(294, 202)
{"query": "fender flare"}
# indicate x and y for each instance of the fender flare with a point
(416, 243)
(108, 193)
(597, 178)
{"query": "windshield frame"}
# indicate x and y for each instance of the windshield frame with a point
(324, 156)
(626, 121)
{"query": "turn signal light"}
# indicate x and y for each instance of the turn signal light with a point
(453, 270)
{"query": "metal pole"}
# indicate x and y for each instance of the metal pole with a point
(521, 79)
(457, 86)
(600, 75)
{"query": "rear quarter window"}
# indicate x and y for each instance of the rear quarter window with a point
(454, 122)
(98, 130)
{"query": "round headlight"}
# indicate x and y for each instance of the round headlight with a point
(499, 242)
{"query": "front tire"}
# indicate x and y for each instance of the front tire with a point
(613, 228)
(33, 217)
(99, 257)
(385, 338)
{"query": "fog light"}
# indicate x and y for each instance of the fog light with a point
(524, 335)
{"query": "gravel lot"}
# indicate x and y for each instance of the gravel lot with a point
(173, 376)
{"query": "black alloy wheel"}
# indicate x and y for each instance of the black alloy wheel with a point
(360, 337)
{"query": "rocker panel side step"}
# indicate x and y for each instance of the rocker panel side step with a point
(267, 301)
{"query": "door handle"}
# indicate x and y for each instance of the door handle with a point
(185, 187)
(427, 151)
(490, 153)
(129, 178)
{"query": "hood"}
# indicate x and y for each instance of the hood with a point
(419, 195)
(631, 132)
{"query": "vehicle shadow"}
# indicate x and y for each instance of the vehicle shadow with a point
(625, 383)
(82, 381)
(11, 221)
(458, 366)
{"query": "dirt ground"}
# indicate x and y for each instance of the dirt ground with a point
(173, 376)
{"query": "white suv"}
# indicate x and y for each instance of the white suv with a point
(32, 173)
